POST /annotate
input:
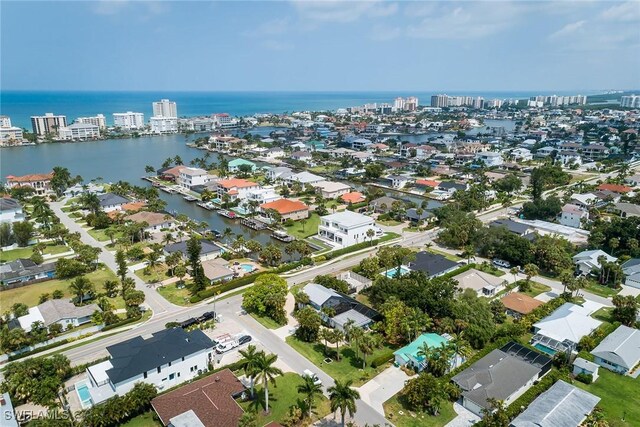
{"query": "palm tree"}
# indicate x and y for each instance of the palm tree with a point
(343, 397)
(81, 287)
(266, 372)
(366, 346)
(226, 234)
(309, 389)
(250, 361)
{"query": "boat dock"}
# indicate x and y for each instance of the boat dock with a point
(207, 205)
(227, 214)
(282, 236)
(254, 224)
(190, 198)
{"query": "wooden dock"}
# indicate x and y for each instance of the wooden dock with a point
(254, 224)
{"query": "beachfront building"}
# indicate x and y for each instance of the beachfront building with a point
(165, 108)
(235, 188)
(191, 177)
(40, 182)
(48, 124)
(288, 209)
(10, 210)
(79, 132)
(166, 359)
(9, 135)
(97, 120)
(163, 124)
(346, 228)
(128, 120)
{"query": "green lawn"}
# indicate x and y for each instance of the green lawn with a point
(14, 254)
(490, 269)
(348, 368)
(303, 230)
(389, 223)
(282, 396)
(101, 235)
(394, 406)
(154, 275)
(604, 315)
(148, 419)
(30, 294)
(536, 289)
(445, 254)
(174, 295)
(619, 397)
(265, 321)
(603, 291)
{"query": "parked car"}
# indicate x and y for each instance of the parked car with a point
(188, 322)
(308, 373)
(501, 263)
(244, 339)
(209, 315)
(226, 346)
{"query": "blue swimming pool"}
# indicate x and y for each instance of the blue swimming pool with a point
(83, 395)
(247, 267)
(392, 272)
(545, 349)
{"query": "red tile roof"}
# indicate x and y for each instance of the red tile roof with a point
(285, 206)
(616, 188)
(520, 303)
(427, 182)
(209, 398)
(31, 178)
(353, 197)
(236, 183)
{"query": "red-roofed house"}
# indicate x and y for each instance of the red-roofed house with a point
(353, 197)
(40, 182)
(288, 209)
(616, 188)
(427, 183)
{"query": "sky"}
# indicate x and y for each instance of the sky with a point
(319, 45)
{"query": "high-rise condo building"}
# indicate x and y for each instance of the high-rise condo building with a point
(630, 101)
(97, 120)
(48, 124)
(128, 120)
(165, 108)
(440, 101)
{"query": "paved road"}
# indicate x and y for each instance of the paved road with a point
(156, 302)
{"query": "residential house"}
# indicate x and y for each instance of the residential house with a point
(360, 143)
(356, 281)
(60, 311)
(432, 265)
(40, 182)
(489, 158)
(504, 374)
(234, 165)
(165, 359)
(427, 183)
(25, 271)
(616, 188)
(217, 270)
(587, 261)
(288, 209)
(619, 351)
(353, 197)
(10, 210)
(595, 152)
(518, 305)
(417, 152)
(209, 401)
(514, 227)
(346, 228)
(398, 181)
(585, 201)
(573, 216)
(171, 173)
(451, 187)
(260, 196)
(562, 405)
(633, 180)
(416, 215)
(631, 270)
(192, 177)
(235, 188)
(563, 329)
(626, 210)
(408, 355)
(484, 284)
(331, 189)
(586, 367)
(111, 202)
(304, 178)
(278, 173)
(273, 153)
(344, 308)
(209, 250)
(152, 221)
(382, 204)
(568, 158)
(79, 189)
(301, 156)
(521, 155)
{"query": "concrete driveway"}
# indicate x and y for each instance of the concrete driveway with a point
(383, 387)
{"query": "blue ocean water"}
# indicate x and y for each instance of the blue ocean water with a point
(21, 105)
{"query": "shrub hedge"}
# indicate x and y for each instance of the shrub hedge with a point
(121, 323)
(385, 357)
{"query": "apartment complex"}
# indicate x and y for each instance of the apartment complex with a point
(165, 108)
(128, 120)
(48, 124)
(630, 101)
(9, 134)
(97, 120)
(79, 131)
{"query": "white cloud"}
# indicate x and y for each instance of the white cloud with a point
(384, 34)
(624, 12)
(342, 11)
(568, 29)
(109, 7)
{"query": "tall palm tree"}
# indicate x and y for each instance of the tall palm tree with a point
(251, 356)
(343, 397)
(266, 372)
(309, 389)
(81, 287)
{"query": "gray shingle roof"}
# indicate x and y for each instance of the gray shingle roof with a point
(55, 310)
(110, 199)
(9, 204)
(137, 355)
(207, 247)
(23, 267)
(512, 226)
(563, 405)
(431, 264)
(621, 347)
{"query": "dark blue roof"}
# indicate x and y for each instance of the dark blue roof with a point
(431, 264)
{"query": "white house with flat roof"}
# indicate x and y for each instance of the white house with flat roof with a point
(190, 177)
(346, 228)
(489, 158)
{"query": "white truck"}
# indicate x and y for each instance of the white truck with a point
(308, 373)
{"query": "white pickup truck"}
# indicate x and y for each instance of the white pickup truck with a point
(308, 373)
